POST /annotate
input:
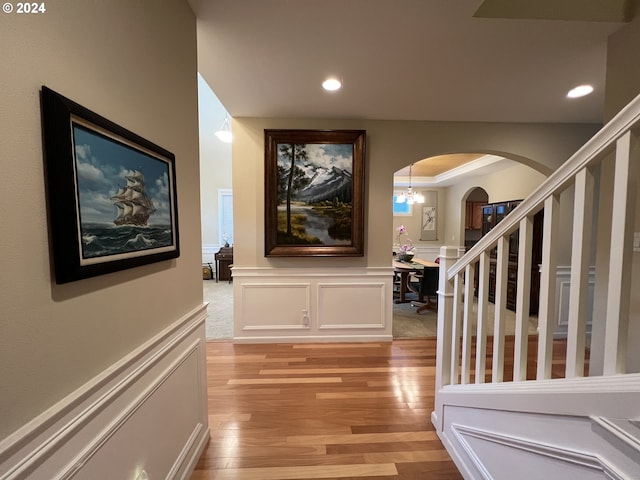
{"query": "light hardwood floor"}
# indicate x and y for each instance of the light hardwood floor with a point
(323, 411)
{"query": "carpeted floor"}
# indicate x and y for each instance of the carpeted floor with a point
(409, 324)
(406, 322)
(219, 323)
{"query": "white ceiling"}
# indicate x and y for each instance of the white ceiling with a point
(402, 59)
(407, 59)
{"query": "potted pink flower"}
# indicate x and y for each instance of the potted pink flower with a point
(405, 249)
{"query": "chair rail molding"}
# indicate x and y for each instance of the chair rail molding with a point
(120, 406)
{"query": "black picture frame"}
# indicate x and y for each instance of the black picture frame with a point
(111, 194)
(325, 188)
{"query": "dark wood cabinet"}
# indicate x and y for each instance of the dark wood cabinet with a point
(224, 258)
(492, 214)
(473, 216)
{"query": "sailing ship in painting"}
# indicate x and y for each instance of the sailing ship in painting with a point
(130, 231)
(124, 198)
(133, 202)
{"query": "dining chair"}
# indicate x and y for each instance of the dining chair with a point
(428, 288)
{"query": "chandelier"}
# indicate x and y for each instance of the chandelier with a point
(224, 133)
(410, 197)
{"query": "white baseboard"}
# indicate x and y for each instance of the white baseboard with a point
(146, 412)
(453, 452)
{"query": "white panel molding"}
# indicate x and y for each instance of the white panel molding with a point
(125, 414)
(70, 433)
(548, 450)
(187, 459)
(451, 447)
(365, 309)
(470, 454)
(625, 431)
(427, 252)
(303, 293)
(563, 288)
(546, 441)
(265, 318)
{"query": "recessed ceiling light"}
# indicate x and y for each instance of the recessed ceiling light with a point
(332, 84)
(580, 91)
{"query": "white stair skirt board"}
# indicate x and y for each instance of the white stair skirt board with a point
(494, 444)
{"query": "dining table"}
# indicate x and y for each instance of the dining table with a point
(403, 270)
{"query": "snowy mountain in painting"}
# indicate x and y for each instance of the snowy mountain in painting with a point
(326, 183)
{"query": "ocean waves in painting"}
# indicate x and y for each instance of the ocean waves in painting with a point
(100, 240)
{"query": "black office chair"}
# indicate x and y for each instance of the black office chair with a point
(428, 287)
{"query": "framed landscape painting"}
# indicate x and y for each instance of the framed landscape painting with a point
(111, 194)
(314, 193)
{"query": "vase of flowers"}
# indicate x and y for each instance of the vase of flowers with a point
(225, 238)
(404, 250)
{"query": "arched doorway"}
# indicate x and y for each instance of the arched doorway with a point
(472, 213)
(459, 192)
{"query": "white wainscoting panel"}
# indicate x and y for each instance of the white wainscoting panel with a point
(336, 300)
(493, 453)
(312, 305)
(494, 444)
(146, 412)
(429, 253)
(563, 287)
(432, 252)
(275, 306)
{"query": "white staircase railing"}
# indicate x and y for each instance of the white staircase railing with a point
(601, 180)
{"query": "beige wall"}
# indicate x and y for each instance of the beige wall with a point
(390, 146)
(623, 85)
(623, 68)
(134, 63)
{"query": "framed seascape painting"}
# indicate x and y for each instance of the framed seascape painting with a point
(111, 194)
(314, 193)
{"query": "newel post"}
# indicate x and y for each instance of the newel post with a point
(448, 256)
